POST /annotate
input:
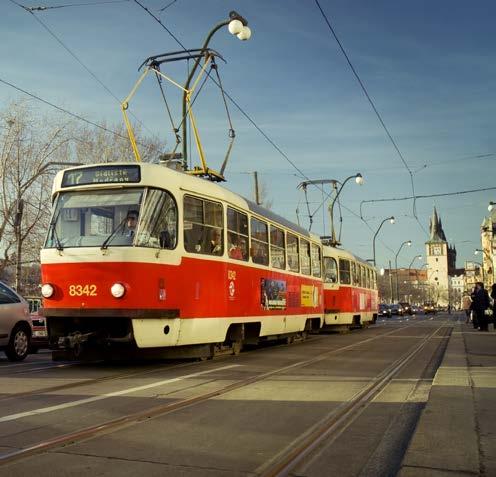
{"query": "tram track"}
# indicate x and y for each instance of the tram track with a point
(130, 419)
(302, 450)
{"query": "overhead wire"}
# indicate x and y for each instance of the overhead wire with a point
(379, 117)
(51, 7)
(61, 43)
(66, 111)
(248, 117)
(240, 109)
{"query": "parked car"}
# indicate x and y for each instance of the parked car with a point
(39, 337)
(406, 308)
(430, 308)
(417, 309)
(15, 324)
(384, 310)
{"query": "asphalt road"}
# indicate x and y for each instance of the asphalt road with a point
(335, 404)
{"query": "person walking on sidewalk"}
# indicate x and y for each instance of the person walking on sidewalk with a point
(480, 303)
(466, 302)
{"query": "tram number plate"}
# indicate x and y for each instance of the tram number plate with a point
(80, 290)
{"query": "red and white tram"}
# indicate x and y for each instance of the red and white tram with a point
(203, 269)
(350, 290)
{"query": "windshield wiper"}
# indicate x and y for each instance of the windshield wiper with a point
(55, 235)
(112, 234)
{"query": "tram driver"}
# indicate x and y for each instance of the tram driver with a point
(131, 223)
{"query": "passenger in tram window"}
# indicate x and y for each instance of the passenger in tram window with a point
(234, 248)
(131, 223)
(216, 242)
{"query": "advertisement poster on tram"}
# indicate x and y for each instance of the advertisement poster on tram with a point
(273, 294)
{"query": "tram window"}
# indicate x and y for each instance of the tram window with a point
(259, 242)
(316, 264)
(292, 251)
(158, 222)
(237, 234)
(305, 256)
(277, 249)
(203, 226)
(344, 271)
(374, 274)
(355, 274)
(330, 270)
(367, 271)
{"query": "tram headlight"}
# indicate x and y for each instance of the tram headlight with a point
(47, 290)
(118, 290)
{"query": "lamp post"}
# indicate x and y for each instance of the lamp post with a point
(237, 26)
(419, 257)
(303, 185)
(391, 219)
(359, 180)
(406, 242)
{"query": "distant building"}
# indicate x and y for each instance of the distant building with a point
(488, 246)
(441, 262)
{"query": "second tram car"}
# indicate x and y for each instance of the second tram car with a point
(143, 257)
(350, 290)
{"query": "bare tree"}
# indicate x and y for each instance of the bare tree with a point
(32, 149)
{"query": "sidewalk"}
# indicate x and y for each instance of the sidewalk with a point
(456, 433)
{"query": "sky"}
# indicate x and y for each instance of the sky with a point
(428, 67)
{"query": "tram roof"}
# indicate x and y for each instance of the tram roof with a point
(346, 254)
(153, 175)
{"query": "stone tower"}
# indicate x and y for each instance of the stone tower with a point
(441, 262)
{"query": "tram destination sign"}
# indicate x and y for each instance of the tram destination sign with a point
(105, 174)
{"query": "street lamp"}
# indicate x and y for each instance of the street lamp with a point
(419, 257)
(237, 26)
(406, 242)
(391, 219)
(303, 185)
(359, 180)
(491, 205)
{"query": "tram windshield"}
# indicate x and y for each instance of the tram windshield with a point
(108, 218)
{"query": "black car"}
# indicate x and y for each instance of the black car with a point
(406, 308)
(384, 310)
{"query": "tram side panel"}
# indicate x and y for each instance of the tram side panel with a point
(193, 301)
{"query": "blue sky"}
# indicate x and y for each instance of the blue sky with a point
(430, 68)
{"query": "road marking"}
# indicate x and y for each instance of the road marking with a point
(44, 410)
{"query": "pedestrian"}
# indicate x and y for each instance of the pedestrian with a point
(480, 303)
(493, 296)
(466, 302)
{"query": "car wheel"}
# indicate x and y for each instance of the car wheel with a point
(18, 346)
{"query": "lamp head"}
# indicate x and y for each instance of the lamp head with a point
(391, 219)
(239, 26)
(359, 179)
(244, 34)
(491, 205)
(409, 243)
(476, 251)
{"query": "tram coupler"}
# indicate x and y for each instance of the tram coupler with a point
(74, 342)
